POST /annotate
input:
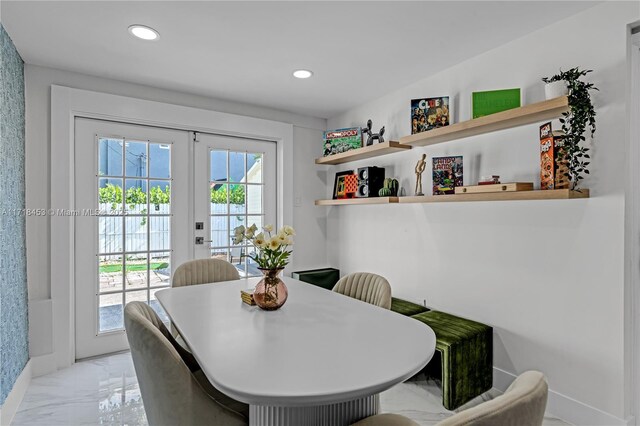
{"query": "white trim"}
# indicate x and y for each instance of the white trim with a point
(563, 407)
(68, 103)
(10, 407)
(632, 231)
(43, 364)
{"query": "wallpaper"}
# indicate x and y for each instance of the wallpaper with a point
(14, 327)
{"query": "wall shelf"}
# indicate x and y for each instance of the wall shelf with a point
(556, 194)
(528, 114)
(553, 194)
(351, 201)
(374, 150)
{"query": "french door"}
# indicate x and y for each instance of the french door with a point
(239, 189)
(149, 199)
(132, 226)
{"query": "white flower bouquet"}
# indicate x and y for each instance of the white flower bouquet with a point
(271, 250)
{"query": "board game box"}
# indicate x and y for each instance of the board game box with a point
(429, 113)
(447, 174)
(552, 168)
(341, 140)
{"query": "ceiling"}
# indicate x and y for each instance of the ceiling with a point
(246, 51)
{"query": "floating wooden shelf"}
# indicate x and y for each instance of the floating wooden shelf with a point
(349, 201)
(374, 150)
(555, 194)
(527, 114)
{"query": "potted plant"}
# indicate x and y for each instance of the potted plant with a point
(272, 255)
(580, 117)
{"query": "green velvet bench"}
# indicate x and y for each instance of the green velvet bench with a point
(464, 353)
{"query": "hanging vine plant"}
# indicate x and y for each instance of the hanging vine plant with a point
(575, 123)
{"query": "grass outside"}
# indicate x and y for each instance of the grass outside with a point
(131, 267)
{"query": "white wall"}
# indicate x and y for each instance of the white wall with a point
(310, 249)
(548, 276)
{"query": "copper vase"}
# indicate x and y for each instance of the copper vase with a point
(270, 293)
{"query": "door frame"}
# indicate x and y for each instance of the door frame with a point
(67, 104)
(632, 232)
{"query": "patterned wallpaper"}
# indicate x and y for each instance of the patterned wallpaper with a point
(14, 327)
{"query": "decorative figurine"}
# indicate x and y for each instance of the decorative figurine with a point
(373, 136)
(420, 166)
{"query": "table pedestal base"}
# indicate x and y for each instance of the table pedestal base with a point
(341, 414)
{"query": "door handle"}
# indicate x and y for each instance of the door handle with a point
(201, 240)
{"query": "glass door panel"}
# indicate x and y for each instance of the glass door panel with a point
(239, 190)
(131, 234)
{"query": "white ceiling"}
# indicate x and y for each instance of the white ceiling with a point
(246, 51)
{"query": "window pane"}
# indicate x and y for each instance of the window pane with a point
(237, 199)
(159, 233)
(110, 312)
(110, 273)
(159, 160)
(236, 255)
(257, 220)
(136, 158)
(159, 269)
(219, 231)
(254, 168)
(219, 198)
(135, 196)
(135, 296)
(136, 233)
(110, 196)
(235, 221)
(218, 165)
(222, 254)
(254, 199)
(153, 302)
(110, 157)
(236, 167)
(159, 197)
(136, 270)
(110, 234)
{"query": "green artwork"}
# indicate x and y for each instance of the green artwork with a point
(492, 101)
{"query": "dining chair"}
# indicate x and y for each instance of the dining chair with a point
(202, 271)
(523, 404)
(174, 389)
(365, 286)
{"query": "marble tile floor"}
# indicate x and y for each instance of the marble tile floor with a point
(104, 391)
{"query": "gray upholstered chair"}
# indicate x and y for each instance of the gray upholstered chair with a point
(174, 389)
(370, 288)
(523, 404)
(202, 271)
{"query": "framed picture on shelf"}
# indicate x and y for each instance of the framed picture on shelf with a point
(429, 113)
(341, 185)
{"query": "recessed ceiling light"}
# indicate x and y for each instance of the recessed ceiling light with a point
(302, 73)
(143, 32)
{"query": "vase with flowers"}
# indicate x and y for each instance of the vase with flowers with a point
(272, 252)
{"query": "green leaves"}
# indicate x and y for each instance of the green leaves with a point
(576, 122)
(236, 195)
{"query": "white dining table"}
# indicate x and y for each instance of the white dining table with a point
(322, 359)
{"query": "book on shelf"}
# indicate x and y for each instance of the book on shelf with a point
(447, 174)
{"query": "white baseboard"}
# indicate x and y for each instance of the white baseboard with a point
(43, 364)
(564, 407)
(11, 404)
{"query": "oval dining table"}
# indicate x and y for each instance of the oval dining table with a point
(321, 359)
